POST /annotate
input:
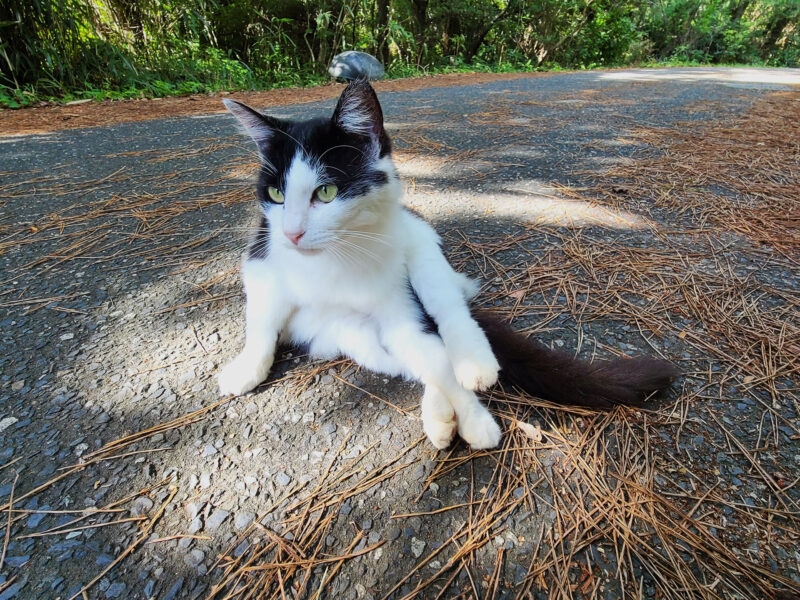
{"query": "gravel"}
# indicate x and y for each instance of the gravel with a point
(120, 350)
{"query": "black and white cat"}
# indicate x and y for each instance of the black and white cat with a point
(339, 265)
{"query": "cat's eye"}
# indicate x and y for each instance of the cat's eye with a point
(326, 193)
(275, 195)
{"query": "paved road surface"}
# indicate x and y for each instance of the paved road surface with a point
(119, 300)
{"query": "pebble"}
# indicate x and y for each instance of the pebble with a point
(17, 561)
(193, 509)
(282, 479)
(173, 591)
(243, 520)
(383, 420)
(14, 589)
(208, 450)
(7, 422)
(141, 506)
(215, 519)
(115, 590)
(417, 547)
(194, 558)
(195, 526)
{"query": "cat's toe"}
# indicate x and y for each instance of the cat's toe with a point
(480, 430)
(476, 373)
(241, 375)
(440, 433)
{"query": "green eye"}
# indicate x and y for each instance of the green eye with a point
(275, 195)
(326, 193)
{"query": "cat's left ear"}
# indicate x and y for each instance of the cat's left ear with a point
(259, 127)
(358, 110)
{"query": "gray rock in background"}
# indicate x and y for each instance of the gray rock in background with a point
(356, 65)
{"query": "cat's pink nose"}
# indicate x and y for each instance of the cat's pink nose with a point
(293, 236)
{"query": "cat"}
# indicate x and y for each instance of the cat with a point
(339, 265)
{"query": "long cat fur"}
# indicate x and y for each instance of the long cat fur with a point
(361, 276)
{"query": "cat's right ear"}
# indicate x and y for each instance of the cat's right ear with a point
(259, 127)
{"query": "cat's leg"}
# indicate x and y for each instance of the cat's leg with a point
(266, 312)
(444, 294)
(424, 356)
(438, 418)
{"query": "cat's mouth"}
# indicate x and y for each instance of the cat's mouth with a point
(306, 251)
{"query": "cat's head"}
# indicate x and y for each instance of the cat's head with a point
(323, 177)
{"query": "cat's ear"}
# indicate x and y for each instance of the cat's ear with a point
(259, 127)
(358, 110)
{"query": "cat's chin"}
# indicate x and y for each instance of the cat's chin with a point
(306, 251)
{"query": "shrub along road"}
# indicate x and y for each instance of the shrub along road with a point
(607, 213)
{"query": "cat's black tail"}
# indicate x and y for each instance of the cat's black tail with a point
(560, 378)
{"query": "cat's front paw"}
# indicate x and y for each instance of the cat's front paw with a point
(479, 429)
(476, 370)
(440, 433)
(243, 374)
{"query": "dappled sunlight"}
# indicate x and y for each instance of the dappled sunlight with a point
(552, 209)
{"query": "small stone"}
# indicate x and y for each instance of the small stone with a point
(282, 478)
(417, 547)
(17, 561)
(173, 591)
(243, 520)
(11, 592)
(103, 560)
(216, 519)
(194, 558)
(418, 472)
(66, 336)
(205, 481)
(34, 520)
(208, 450)
(115, 590)
(7, 422)
(193, 509)
(141, 506)
(195, 526)
(383, 420)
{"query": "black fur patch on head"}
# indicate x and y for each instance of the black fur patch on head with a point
(343, 147)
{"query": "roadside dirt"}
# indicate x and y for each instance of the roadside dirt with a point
(56, 117)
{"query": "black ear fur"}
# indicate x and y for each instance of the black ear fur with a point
(358, 112)
(259, 127)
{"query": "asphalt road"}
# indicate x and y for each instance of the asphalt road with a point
(119, 300)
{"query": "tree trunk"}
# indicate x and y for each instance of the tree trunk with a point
(382, 26)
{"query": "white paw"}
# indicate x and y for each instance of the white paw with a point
(440, 433)
(476, 370)
(243, 373)
(479, 429)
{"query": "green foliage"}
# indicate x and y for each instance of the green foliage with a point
(73, 49)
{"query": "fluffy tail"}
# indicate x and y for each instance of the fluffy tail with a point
(560, 378)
